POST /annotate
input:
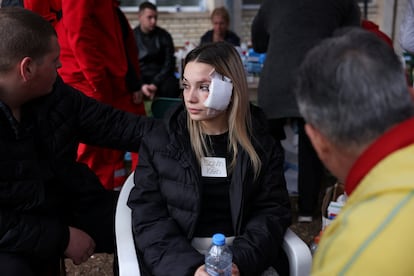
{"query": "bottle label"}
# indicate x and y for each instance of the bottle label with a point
(212, 271)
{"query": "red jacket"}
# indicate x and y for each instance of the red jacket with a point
(93, 53)
(372, 27)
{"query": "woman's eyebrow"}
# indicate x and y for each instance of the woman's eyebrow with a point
(199, 81)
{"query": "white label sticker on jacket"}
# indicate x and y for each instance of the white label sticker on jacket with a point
(213, 167)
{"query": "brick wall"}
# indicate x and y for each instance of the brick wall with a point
(191, 26)
(182, 26)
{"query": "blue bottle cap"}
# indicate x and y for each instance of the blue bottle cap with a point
(219, 239)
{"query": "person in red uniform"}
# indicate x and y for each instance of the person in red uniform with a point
(372, 27)
(99, 58)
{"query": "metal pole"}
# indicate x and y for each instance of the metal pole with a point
(365, 9)
(230, 8)
(394, 20)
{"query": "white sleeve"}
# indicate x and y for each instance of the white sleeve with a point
(407, 28)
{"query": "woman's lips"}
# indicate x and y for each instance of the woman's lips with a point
(194, 110)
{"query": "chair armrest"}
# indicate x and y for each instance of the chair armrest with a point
(125, 246)
(298, 253)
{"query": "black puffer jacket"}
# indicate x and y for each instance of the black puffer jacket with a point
(41, 185)
(166, 201)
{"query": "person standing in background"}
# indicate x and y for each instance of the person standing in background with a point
(99, 57)
(220, 19)
(156, 54)
(285, 31)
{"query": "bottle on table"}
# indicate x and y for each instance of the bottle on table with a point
(218, 259)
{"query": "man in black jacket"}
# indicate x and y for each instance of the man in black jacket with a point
(156, 53)
(50, 205)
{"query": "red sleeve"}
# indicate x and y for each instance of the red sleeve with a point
(84, 36)
(374, 28)
(47, 9)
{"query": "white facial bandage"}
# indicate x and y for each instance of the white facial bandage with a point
(220, 91)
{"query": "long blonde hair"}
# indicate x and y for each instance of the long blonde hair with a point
(227, 62)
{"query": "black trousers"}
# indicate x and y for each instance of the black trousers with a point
(18, 265)
(82, 202)
(311, 168)
(96, 216)
(310, 173)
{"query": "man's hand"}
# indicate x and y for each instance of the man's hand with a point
(201, 271)
(137, 97)
(235, 270)
(80, 247)
(149, 90)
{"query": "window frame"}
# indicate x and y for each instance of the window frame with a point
(250, 6)
(202, 7)
(171, 9)
(257, 6)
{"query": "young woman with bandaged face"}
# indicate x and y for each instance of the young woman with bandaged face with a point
(211, 167)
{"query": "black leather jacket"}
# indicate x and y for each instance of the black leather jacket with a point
(165, 201)
(156, 55)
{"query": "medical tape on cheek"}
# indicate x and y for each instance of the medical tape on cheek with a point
(220, 91)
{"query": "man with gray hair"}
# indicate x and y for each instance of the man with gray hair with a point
(352, 92)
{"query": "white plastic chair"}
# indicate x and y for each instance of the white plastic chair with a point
(125, 247)
(298, 252)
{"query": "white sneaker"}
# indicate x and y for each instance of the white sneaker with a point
(305, 218)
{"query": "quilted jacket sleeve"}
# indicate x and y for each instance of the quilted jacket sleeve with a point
(40, 237)
(267, 215)
(100, 124)
(163, 245)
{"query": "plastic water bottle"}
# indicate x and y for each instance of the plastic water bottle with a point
(315, 243)
(218, 258)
